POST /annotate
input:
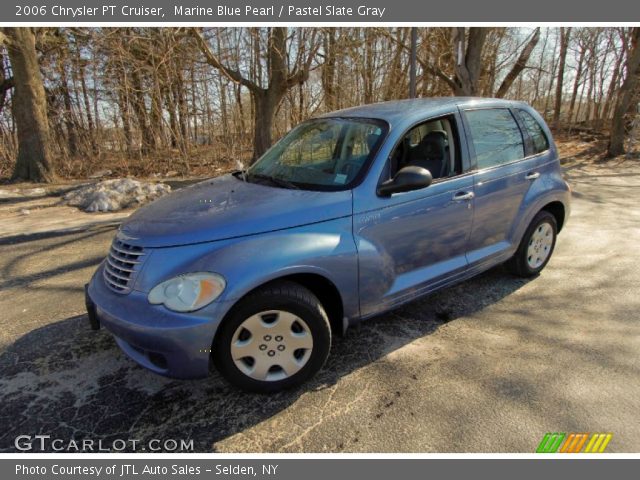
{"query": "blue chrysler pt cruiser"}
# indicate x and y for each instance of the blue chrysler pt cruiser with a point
(351, 214)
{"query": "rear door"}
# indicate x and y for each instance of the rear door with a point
(501, 180)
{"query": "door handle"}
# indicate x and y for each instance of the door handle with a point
(460, 196)
(532, 175)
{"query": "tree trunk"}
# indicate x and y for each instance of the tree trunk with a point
(81, 71)
(625, 96)
(613, 85)
(536, 89)
(266, 100)
(545, 111)
(6, 84)
(140, 110)
(520, 64)
(394, 70)
(241, 128)
(69, 120)
(367, 74)
(578, 110)
(126, 121)
(329, 69)
(413, 60)
(264, 111)
(576, 85)
(194, 106)
(29, 108)
(171, 108)
(564, 45)
(468, 55)
(591, 80)
(209, 113)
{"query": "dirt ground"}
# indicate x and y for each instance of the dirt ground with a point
(490, 365)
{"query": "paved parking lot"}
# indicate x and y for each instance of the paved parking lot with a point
(487, 366)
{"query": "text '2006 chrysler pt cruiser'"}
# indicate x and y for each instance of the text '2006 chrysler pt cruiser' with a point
(349, 215)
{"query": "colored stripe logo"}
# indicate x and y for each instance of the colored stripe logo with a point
(574, 443)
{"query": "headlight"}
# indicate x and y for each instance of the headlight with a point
(188, 292)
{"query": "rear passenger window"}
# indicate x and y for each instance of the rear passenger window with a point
(539, 140)
(496, 136)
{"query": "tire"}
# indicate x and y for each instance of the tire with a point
(280, 325)
(529, 260)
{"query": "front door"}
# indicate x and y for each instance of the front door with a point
(413, 242)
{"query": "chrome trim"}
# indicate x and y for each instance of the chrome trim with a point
(122, 265)
(123, 237)
(122, 259)
(119, 267)
(126, 252)
(115, 275)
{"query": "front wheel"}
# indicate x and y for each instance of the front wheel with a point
(275, 338)
(536, 246)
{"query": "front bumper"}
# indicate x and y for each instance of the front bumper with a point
(173, 344)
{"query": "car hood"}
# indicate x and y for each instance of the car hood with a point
(227, 207)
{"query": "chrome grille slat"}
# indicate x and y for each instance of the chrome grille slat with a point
(122, 265)
(115, 281)
(121, 277)
(127, 252)
(119, 267)
(121, 259)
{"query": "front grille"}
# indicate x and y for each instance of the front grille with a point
(122, 265)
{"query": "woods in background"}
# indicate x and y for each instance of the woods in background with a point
(73, 100)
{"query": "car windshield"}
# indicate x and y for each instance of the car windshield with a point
(321, 154)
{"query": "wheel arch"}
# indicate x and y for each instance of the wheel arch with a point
(556, 208)
(322, 287)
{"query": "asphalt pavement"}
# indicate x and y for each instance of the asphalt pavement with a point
(490, 365)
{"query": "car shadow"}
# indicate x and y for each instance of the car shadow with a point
(69, 382)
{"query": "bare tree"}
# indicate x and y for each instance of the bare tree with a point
(577, 80)
(280, 79)
(413, 62)
(520, 65)
(145, 100)
(29, 107)
(625, 96)
(468, 54)
(329, 48)
(564, 45)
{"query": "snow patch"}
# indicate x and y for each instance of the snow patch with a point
(114, 195)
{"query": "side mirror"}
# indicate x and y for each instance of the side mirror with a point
(406, 180)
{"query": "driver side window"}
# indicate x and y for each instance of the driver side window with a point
(431, 145)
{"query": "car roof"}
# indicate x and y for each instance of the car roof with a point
(413, 110)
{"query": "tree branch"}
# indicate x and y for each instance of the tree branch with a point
(432, 69)
(300, 76)
(233, 75)
(520, 64)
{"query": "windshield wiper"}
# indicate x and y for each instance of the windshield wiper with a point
(274, 180)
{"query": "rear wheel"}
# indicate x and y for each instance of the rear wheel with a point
(536, 246)
(275, 338)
